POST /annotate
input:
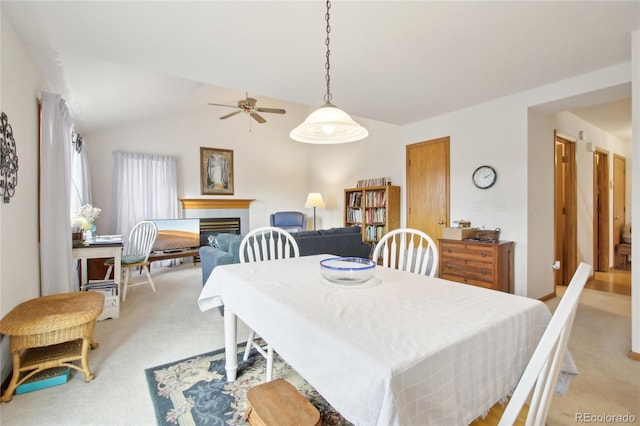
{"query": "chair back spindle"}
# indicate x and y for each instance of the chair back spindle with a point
(268, 243)
(408, 250)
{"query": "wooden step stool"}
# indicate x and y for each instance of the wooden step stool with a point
(278, 403)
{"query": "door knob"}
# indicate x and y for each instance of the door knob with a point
(441, 222)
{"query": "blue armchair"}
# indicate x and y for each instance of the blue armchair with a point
(289, 221)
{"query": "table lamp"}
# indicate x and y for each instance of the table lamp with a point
(314, 200)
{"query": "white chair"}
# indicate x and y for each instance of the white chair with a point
(408, 250)
(136, 254)
(266, 243)
(539, 378)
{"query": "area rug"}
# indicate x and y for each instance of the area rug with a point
(194, 391)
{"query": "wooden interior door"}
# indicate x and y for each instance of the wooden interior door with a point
(428, 186)
(619, 197)
(565, 209)
(601, 211)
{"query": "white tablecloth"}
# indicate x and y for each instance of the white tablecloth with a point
(402, 349)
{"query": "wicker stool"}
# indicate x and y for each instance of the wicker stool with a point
(51, 331)
(278, 403)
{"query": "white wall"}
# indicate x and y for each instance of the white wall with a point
(333, 168)
(540, 214)
(500, 134)
(19, 252)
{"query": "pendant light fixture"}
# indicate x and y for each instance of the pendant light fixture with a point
(328, 124)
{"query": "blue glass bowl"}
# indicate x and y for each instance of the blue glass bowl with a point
(347, 270)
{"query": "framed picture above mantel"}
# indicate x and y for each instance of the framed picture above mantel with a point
(216, 171)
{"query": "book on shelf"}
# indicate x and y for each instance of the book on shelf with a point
(364, 183)
(355, 199)
(354, 215)
(376, 198)
(374, 232)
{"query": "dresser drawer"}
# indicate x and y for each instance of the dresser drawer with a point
(474, 252)
(468, 271)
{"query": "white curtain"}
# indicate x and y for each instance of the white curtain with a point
(144, 187)
(80, 176)
(56, 268)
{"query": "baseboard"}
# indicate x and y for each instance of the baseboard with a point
(634, 356)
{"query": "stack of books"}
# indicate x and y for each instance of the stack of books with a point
(109, 289)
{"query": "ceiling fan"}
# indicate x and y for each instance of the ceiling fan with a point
(248, 105)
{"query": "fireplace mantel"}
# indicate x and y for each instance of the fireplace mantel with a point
(209, 203)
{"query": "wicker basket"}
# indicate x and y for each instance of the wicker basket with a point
(488, 235)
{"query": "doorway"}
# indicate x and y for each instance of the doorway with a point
(601, 210)
(428, 186)
(565, 209)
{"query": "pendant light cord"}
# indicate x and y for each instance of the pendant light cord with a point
(327, 66)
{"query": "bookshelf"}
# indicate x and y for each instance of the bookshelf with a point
(375, 208)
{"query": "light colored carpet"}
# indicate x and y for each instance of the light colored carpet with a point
(155, 329)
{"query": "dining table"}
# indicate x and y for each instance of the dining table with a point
(398, 349)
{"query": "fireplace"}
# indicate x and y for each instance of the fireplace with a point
(212, 226)
(220, 209)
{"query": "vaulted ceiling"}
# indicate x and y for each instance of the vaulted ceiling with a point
(392, 61)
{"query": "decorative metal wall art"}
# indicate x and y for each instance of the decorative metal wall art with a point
(8, 160)
(77, 142)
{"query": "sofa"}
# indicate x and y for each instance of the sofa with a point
(347, 241)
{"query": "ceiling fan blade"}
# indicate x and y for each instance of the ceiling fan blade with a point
(231, 114)
(257, 117)
(272, 110)
(230, 106)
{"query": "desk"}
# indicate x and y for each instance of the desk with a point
(92, 251)
(402, 349)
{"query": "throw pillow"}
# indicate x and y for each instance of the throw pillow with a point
(224, 239)
(213, 242)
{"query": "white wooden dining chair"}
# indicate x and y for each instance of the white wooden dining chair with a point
(136, 254)
(541, 374)
(261, 244)
(409, 250)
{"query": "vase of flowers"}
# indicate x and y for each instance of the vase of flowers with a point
(84, 220)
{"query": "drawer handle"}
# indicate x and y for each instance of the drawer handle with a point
(483, 272)
(449, 250)
(483, 254)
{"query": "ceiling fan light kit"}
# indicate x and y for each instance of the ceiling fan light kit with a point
(328, 124)
(248, 105)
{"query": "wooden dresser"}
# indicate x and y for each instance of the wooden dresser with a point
(485, 264)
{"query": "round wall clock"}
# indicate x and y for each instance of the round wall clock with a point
(484, 177)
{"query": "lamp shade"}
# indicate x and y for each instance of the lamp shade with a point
(328, 125)
(314, 200)
(79, 222)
